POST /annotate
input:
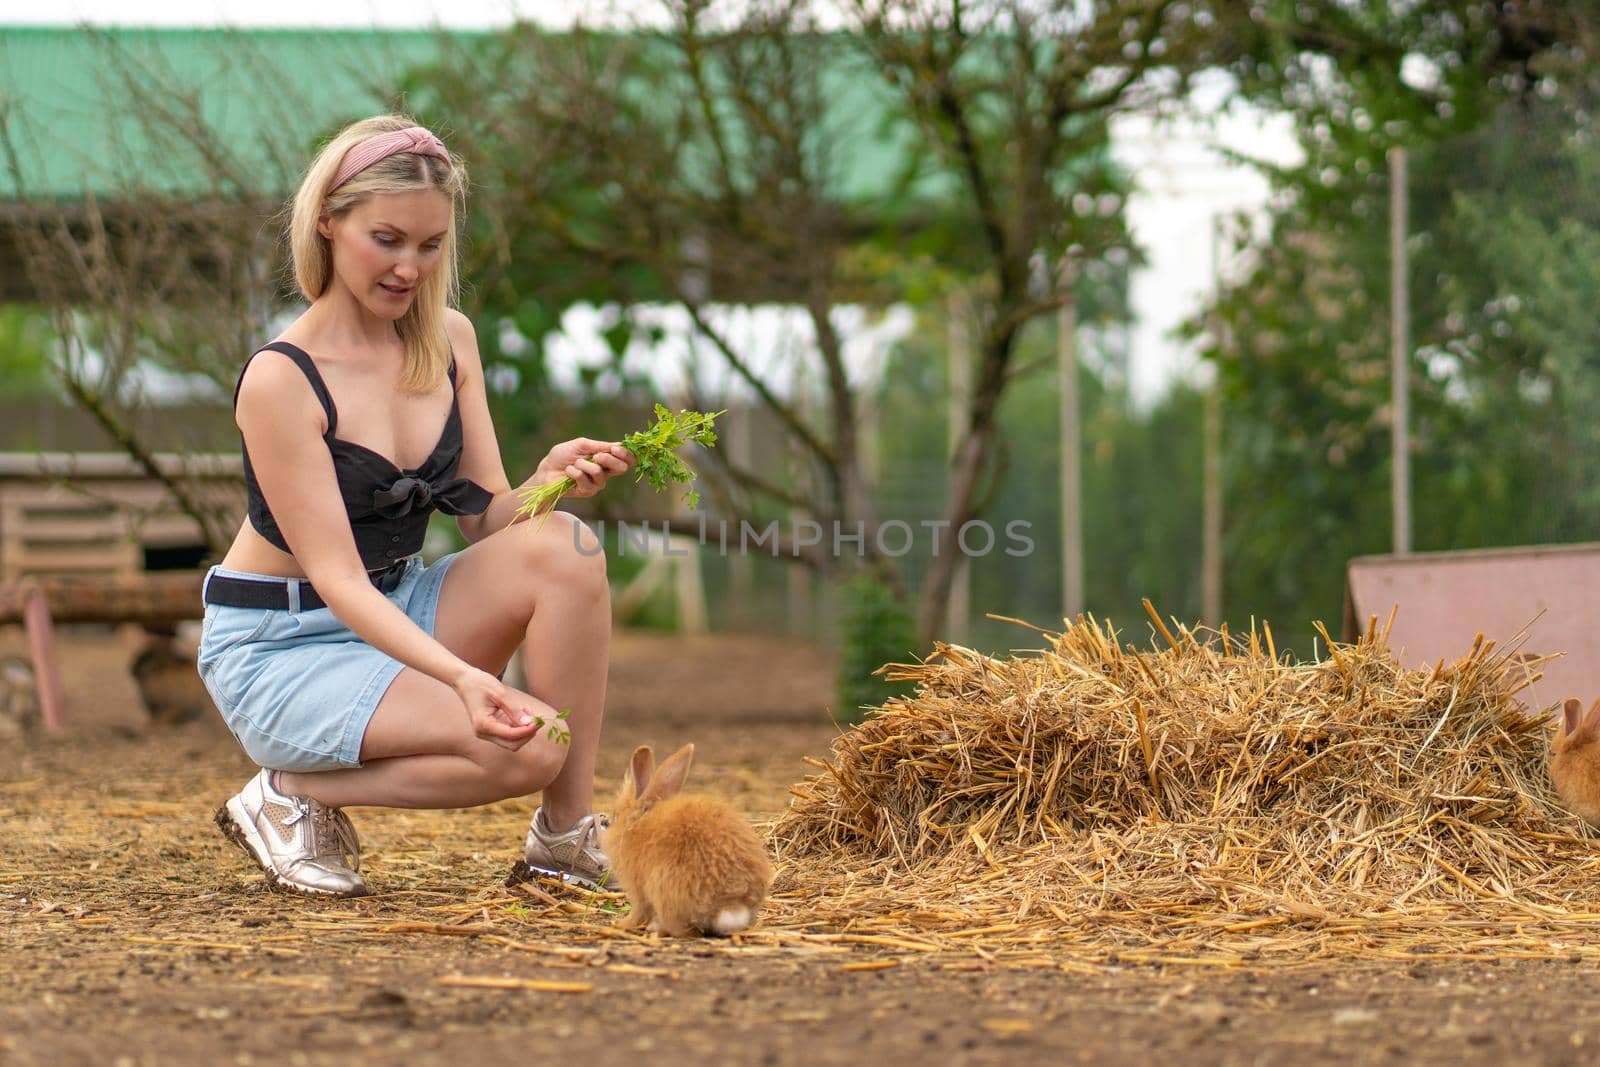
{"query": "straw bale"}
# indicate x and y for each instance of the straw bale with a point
(1207, 792)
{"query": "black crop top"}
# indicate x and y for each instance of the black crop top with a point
(388, 506)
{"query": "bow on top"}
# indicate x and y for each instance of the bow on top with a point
(458, 496)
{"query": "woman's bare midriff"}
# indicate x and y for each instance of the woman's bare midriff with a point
(251, 553)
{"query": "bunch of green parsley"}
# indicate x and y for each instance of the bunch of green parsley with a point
(655, 447)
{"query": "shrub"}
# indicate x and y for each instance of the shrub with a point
(878, 628)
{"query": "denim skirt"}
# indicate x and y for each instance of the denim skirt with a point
(297, 688)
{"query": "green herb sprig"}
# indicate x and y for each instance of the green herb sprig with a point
(655, 447)
(556, 731)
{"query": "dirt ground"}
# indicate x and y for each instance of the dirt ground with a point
(131, 933)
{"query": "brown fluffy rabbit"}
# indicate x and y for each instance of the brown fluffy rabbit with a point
(1575, 761)
(689, 864)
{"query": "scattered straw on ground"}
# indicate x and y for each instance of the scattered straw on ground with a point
(1082, 806)
(1205, 803)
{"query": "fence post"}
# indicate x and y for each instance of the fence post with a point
(46, 663)
(1071, 446)
(1399, 354)
(1211, 445)
(959, 372)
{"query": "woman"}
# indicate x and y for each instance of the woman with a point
(348, 670)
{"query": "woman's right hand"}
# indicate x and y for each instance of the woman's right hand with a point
(500, 714)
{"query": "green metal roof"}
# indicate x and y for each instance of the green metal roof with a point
(268, 95)
(65, 96)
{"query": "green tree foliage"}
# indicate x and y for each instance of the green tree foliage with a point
(1503, 253)
(26, 341)
(1141, 484)
(878, 629)
(742, 154)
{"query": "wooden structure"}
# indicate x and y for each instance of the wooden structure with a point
(158, 600)
(1541, 595)
(102, 514)
(95, 538)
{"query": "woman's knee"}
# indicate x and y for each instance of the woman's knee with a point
(527, 770)
(567, 553)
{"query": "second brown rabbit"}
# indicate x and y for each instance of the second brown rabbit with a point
(689, 864)
(1575, 761)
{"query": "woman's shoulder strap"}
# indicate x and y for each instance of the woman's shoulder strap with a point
(307, 367)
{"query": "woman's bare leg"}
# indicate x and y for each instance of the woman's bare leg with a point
(542, 588)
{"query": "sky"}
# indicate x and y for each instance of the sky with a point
(1185, 185)
(1188, 196)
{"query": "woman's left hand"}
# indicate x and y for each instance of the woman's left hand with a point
(589, 463)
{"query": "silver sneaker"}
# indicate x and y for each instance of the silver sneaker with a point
(304, 846)
(572, 856)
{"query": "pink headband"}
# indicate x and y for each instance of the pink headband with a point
(412, 139)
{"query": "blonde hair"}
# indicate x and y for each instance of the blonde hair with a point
(421, 328)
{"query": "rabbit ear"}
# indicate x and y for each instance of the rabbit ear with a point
(1591, 721)
(640, 768)
(1569, 717)
(670, 778)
